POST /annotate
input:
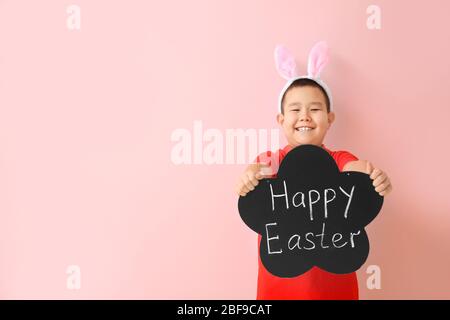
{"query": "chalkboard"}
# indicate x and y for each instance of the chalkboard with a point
(311, 214)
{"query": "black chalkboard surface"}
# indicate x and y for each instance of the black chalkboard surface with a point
(311, 215)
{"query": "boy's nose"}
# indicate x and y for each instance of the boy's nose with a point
(305, 116)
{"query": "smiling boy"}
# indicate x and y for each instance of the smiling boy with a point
(305, 115)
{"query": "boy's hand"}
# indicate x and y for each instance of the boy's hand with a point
(380, 179)
(250, 178)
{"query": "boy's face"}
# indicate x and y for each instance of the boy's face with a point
(305, 107)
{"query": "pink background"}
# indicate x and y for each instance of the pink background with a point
(86, 119)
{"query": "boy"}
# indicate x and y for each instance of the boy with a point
(305, 115)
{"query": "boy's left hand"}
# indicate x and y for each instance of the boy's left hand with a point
(380, 179)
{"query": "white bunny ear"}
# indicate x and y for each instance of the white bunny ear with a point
(285, 63)
(318, 59)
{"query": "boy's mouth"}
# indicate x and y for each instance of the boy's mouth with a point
(303, 129)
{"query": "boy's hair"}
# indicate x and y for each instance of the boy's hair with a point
(305, 82)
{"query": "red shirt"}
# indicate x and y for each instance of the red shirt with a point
(315, 284)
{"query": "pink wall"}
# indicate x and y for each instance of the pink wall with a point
(86, 118)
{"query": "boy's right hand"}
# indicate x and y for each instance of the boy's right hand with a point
(250, 178)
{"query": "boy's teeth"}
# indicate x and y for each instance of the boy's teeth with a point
(303, 129)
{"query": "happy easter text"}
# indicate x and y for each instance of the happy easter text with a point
(319, 239)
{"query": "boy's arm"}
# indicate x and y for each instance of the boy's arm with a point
(381, 181)
(357, 165)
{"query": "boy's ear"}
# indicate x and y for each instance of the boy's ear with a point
(280, 119)
(331, 118)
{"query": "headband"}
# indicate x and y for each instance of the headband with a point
(286, 67)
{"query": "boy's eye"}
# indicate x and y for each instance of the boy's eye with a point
(315, 109)
(295, 110)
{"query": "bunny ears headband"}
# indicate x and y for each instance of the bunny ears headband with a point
(286, 67)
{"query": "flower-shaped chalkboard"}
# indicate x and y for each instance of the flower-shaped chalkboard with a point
(311, 215)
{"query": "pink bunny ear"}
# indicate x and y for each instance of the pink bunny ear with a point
(285, 63)
(318, 59)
